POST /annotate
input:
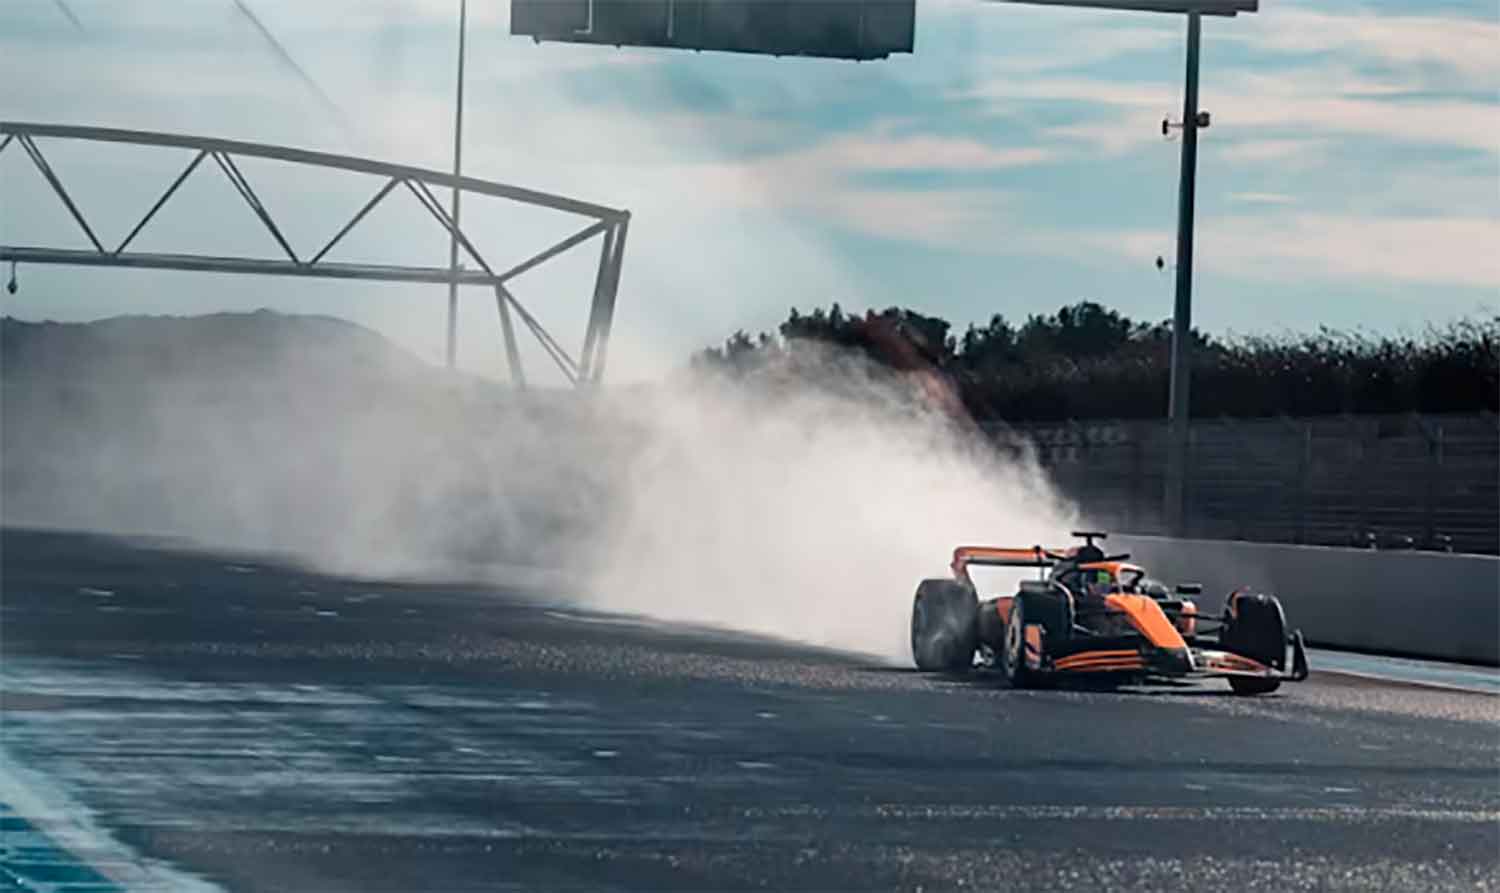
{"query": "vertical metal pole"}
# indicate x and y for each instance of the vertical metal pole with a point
(607, 309)
(1358, 475)
(1304, 481)
(1133, 508)
(1182, 313)
(458, 148)
(1434, 484)
(601, 283)
(512, 351)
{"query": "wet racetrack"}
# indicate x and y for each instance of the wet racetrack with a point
(171, 717)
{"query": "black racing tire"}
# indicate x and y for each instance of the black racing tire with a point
(1049, 605)
(1256, 629)
(944, 626)
(991, 627)
(1041, 604)
(1013, 648)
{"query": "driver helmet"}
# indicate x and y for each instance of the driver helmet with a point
(1097, 583)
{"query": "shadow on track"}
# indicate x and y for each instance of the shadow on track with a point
(992, 680)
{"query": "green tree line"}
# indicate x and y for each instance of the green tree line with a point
(1087, 361)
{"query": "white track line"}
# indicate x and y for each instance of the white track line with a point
(1431, 674)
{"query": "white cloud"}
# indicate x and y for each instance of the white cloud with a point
(1416, 191)
(1455, 251)
(1262, 198)
(921, 153)
(1278, 150)
(944, 218)
(1114, 135)
(815, 184)
(1072, 46)
(1328, 101)
(1093, 91)
(1315, 104)
(1464, 46)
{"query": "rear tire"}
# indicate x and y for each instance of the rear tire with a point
(1257, 630)
(944, 626)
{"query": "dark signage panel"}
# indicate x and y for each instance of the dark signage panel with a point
(835, 29)
(548, 16)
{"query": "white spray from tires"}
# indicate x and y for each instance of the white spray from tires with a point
(803, 503)
(799, 513)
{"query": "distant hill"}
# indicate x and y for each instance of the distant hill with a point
(216, 347)
(267, 430)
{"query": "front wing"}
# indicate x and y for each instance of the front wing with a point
(1145, 661)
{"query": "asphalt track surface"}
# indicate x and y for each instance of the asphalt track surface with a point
(172, 719)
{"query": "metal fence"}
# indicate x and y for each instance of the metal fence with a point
(1424, 482)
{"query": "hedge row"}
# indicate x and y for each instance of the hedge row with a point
(1087, 361)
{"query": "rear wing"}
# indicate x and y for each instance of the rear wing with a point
(994, 556)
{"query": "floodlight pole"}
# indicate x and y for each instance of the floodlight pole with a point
(1182, 308)
(458, 148)
(1174, 501)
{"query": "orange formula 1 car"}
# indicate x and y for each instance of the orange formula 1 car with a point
(1096, 615)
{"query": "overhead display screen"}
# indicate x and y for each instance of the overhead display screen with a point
(833, 29)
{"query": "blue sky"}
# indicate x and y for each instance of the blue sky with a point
(1013, 164)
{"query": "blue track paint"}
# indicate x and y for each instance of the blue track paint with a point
(1397, 669)
(33, 862)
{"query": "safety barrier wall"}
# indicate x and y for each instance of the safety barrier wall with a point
(1441, 606)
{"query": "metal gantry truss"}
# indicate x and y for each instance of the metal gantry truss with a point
(609, 224)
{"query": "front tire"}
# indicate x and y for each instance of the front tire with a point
(1013, 649)
(944, 626)
(1257, 630)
